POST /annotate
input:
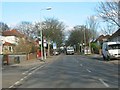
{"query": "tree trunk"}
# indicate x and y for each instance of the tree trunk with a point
(48, 52)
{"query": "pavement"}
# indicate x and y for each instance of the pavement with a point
(29, 62)
(12, 73)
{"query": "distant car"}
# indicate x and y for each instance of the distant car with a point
(87, 51)
(111, 50)
(70, 50)
(56, 52)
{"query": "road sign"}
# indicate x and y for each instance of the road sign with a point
(54, 46)
(45, 43)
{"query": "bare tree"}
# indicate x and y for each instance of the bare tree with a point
(108, 29)
(53, 31)
(80, 34)
(26, 28)
(109, 11)
(92, 24)
(3, 26)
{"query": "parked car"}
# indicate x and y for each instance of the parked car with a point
(56, 52)
(69, 50)
(111, 50)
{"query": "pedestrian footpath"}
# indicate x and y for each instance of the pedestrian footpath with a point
(31, 62)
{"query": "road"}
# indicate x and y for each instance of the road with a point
(70, 71)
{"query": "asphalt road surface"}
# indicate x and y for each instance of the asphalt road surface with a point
(70, 71)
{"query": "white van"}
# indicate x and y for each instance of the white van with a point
(69, 50)
(111, 50)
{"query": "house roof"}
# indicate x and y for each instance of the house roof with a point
(101, 37)
(8, 43)
(12, 33)
(117, 33)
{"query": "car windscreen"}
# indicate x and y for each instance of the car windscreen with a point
(114, 46)
(70, 48)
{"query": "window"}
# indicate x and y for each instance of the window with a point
(114, 46)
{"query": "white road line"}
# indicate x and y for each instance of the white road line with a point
(17, 82)
(11, 86)
(25, 72)
(37, 68)
(88, 70)
(81, 65)
(29, 70)
(29, 74)
(104, 83)
(25, 77)
(34, 68)
(21, 79)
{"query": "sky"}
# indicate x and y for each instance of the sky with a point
(71, 13)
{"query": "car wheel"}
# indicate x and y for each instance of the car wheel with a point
(108, 58)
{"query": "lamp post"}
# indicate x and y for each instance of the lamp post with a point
(48, 8)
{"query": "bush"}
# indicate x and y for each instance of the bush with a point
(95, 48)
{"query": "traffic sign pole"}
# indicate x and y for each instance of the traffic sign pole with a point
(45, 48)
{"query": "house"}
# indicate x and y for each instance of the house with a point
(15, 42)
(8, 48)
(102, 39)
(1, 44)
(10, 38)
(115, 36)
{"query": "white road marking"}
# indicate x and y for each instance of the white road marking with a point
(21, 79)
(37, 68)
(17, 82)
(81, 65)
(29, 73)
(11, 86)
(25, 77)
(25, 72)
(88, 70)
(104, 83)
(29, 70)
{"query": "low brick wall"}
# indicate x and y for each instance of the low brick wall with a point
(12, 58)
(1, 56)
(31, 56)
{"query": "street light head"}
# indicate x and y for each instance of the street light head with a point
(48, 8)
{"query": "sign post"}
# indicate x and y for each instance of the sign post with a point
(45, 45)
(54, 47)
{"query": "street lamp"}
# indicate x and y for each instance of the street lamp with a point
(48, 8)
